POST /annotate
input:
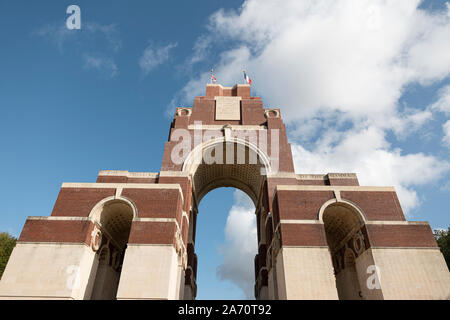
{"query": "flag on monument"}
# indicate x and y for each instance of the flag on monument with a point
(247, 78)
(213, 79)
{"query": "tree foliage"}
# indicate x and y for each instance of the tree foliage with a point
(443, 240)
(7, 244)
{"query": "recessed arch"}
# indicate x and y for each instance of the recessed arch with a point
(344, 203)
(192, 160)
(94, 215)
(344, 225)
(112, 217)
(245, 171)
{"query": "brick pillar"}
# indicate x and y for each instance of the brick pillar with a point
(155, 260)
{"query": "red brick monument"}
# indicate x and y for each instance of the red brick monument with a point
(131, 235)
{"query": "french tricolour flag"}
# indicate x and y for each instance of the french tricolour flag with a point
(247, 78)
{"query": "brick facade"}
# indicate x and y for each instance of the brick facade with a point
(163, 212)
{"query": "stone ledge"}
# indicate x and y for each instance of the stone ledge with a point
(123, 186)
(120, 173)
(332, 188)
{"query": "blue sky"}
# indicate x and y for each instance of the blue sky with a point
(363, 87)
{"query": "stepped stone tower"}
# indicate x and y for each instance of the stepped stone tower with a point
(131, 235)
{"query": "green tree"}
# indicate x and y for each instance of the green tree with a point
(7, 244)
(443, 240)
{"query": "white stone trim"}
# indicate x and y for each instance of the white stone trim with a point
(403, 248)
(299, 221)
(60, 218)
(155, 220)
(121, 185)
(173, 174)
(180, 109)
(149, 245)
(333, 188)
(50, 297)
(285, 246)
(310, 176)
(218, 127)
(342, 176)
(185, 215)
(337, 195)
(268, 111)
(387, 222)
(96, 209)
(124, 186)
(128, 174)
(228, 88)
(362, 217)
(320, 177)
(53, 243)
(281, 175)
(113, 173)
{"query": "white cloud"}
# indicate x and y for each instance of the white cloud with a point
(337, 70)
(58, 34)
(446, 129)
(241, 245)
(443, 103)
(105, 65)
(91, 33)
(201, 49)
(351, 56)
(92, 36)
(109, 32)
(367, 153)
(154, 56)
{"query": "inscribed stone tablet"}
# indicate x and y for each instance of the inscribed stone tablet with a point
(228, 108)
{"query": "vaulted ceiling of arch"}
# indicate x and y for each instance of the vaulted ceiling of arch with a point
(340, 222)
(242, 172)
(116, 219)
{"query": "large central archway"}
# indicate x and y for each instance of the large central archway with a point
(226, 162)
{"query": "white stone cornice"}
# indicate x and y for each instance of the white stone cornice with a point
(120, 173)
(333, 188)
(124, 186)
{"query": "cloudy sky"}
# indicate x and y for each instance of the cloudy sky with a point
(363, 87)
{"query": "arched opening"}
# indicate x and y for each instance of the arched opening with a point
(113, 224)
(344, 229)
(228, 162)
(226, 244)
(235, 163)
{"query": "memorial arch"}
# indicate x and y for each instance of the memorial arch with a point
(131, 235)
(237, 163)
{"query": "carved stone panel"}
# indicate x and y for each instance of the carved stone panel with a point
(228, 108)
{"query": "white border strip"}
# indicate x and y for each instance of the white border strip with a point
(333, 188)
(124, 186)
(220, 127)
(120, 173)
